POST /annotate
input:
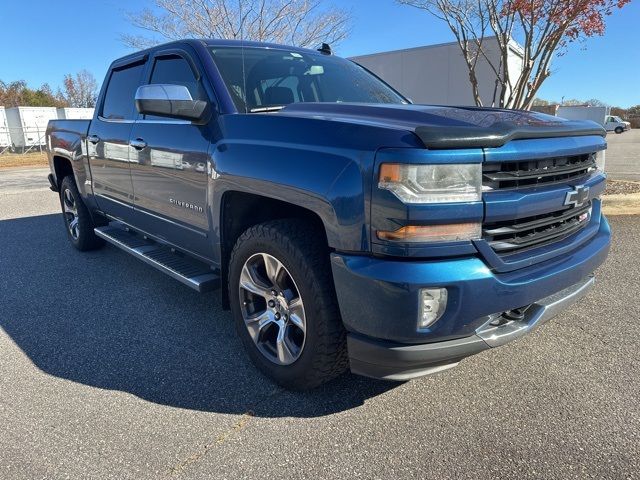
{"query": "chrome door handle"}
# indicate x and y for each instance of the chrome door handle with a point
(93, 139)
(138, 144)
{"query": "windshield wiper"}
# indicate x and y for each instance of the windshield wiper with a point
(275, 108)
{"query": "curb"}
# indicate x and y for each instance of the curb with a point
(621, 204)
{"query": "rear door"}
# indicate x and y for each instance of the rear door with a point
(170, 160)
(108, 140)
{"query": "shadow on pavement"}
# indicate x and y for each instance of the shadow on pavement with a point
(106, 320)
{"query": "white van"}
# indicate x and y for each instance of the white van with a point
(613, 123)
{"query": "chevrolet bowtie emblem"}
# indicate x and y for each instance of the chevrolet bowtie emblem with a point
(577, 197)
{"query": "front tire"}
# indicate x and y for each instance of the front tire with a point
(76, 216)
(284, 304)
(619, 130)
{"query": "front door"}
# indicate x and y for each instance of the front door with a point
(169, 164)
(108, 142)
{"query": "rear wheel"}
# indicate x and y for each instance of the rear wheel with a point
(76, 217)
(284, 304)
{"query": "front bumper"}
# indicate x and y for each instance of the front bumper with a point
(391, 361)
(379, 301)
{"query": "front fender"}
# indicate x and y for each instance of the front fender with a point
(334, 192)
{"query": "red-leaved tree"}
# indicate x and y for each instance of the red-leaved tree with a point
(542, 28)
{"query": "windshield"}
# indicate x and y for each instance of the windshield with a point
(273, 78)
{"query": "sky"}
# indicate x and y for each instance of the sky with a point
(50, 38)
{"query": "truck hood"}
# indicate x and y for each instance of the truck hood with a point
(449, 127)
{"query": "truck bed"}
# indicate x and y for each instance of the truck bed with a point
(68, 127)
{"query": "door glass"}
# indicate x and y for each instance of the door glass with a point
(119, 99)
(175, 70)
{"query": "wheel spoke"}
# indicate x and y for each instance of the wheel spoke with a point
(273, 268)
(257, 324)
(248, 283)
(284, 352)
(73, 226)
(296, 314)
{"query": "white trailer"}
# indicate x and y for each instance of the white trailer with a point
(69, 113)
(5, 138)
(596, 114)
(438, 74)
(28, 125)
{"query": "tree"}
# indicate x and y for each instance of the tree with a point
(594, 102)
(543, 28)
(18, 94)
(303, 23)
(81, 90)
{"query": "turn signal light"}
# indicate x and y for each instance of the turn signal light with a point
(433, 233)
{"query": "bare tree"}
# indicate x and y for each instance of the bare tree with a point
(542, 27)
(81, 90)
(304, 23)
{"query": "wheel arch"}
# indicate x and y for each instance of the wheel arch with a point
(240, 211)
(62, 167)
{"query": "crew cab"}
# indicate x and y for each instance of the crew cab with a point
(343, 226)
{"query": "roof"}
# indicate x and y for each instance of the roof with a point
(212, 42)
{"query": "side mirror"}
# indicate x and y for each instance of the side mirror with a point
(172, 101)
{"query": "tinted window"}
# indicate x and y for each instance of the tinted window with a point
(176, 70)
(119, 99)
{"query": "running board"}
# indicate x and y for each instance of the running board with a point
(191, 272)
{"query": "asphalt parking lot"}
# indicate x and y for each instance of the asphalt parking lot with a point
(623, 155)
(109, 369)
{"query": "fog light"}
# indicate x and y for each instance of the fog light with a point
(433, 302)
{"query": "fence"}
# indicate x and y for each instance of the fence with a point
(22, 139)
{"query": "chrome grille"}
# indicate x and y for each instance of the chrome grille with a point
(529, 173)
(510, 237)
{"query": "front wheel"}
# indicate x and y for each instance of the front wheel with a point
(77, 218)
(619, 130)
(284, 304)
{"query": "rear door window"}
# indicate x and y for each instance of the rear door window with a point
(119, 99)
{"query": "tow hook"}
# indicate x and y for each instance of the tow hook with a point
(514, 315)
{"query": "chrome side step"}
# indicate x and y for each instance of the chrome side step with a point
(187, 270)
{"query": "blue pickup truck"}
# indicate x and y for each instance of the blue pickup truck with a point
(343, 226)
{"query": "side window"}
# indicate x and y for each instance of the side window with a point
(119, 98)
(176, 70)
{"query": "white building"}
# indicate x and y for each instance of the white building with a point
(438, 74)
(28, 125)
(70, 113)
(5, 138)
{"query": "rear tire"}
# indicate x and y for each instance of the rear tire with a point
(76, 216)
(302, 318)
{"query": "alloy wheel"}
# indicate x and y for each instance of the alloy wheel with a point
(70, 210)
(272, 309)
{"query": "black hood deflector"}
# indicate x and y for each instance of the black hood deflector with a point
(441, 127)
(501, 133)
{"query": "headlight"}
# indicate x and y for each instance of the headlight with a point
(432, 183)
(601, 159)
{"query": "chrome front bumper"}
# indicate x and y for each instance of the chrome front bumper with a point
(537, 314)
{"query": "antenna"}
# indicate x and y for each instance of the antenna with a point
(325, 49)
(244, 72)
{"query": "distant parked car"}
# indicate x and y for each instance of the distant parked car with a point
(614, 123)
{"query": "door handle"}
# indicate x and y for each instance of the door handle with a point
(138, 144)
(93, 139)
